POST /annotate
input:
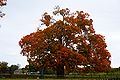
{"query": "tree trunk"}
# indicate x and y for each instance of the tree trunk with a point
(60, 71)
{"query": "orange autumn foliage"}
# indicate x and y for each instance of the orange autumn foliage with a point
(70, 41)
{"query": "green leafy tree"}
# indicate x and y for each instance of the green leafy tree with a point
(31, 68)
(3, 67)
(12, 68)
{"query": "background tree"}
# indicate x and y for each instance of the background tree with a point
(31, 68)
(2, 3)
(3, 67)
(68, 43)
(12, 68)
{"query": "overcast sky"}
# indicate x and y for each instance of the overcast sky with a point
(22, 17)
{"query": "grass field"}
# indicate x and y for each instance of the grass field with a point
(82, 76)
(47, 79)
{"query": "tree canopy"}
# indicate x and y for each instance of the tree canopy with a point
(3, 67)
(68, 43)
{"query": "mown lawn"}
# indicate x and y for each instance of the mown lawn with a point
(84, 76)
(47, 79)
(19, 79)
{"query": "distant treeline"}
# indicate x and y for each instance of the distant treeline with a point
(5, 69)
(29, 69)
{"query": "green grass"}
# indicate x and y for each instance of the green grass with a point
(82, 76)
(47, 79)
(20, 79)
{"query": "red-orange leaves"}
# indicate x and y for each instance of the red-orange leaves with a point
(70, 58)
(46, 19)
(70, 42)
(33, 44)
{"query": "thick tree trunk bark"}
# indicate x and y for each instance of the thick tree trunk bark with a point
(60, 71)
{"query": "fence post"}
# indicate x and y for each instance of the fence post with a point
(42, 73)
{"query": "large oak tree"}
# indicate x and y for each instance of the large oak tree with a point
(69, 43)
